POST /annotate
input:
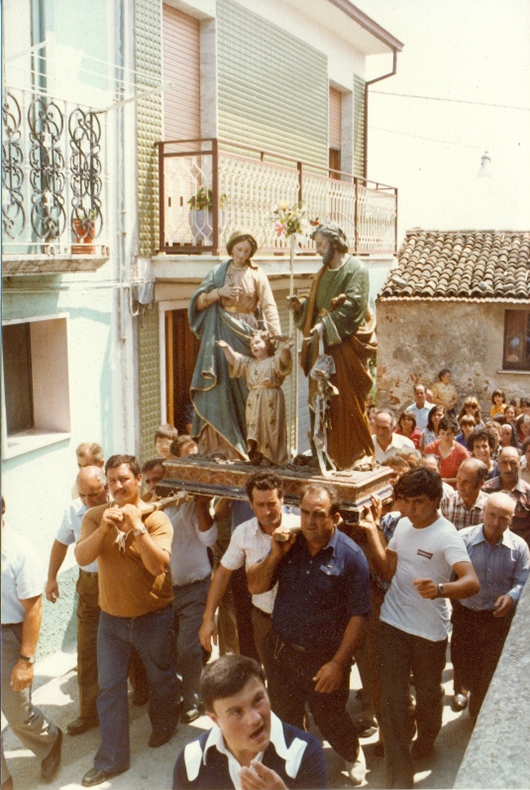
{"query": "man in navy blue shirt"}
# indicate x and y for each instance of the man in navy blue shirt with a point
(319, 613)
(248, 746)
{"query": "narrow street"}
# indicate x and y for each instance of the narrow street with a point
(56, 694)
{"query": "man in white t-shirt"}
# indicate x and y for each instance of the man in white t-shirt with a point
(421, 407)
(250, 542)
(420, 559)
(386, 442)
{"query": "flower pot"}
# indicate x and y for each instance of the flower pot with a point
(201, 222)
(85, 230)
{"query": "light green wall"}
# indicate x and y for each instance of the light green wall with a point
(148, 47)
(273, 88)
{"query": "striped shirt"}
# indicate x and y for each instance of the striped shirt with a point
(458, 513)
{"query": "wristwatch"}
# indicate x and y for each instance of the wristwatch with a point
(441, 590)
(140, 531)
(27, 659)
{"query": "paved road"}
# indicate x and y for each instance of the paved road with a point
(56, 693)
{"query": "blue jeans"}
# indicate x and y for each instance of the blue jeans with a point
(152, 635)
(189, 601)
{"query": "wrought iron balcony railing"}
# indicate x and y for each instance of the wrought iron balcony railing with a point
(210, 188)
(52, 182)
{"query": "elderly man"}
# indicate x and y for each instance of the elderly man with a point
(386, 442)
(318, 620)
(423, 554)
(509, 462)
(421, 407)
(249, 542)
(248, 746)
(481, 622)
(465, 506)
(135, 596)
(92, 487)
(335, 320)
(22, 581)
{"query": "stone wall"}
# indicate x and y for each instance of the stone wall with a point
(416, 339)
(498, 754)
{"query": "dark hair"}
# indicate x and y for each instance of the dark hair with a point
(118, 460)
(227, 676)
(477, 435)
(264, 481)
(443, 372)
(467, 419)
(471, 400)
(430, 426)
(515, 402)
(513, 437)
(500, 418)
(411, 416)
(525, 445)
(525, 402)
(331, 491)
(419, 482)
(498, 392)
(448, 423)
(166, 431)
(149, 465)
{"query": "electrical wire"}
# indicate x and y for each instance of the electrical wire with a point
(456, 101)
(430, 139)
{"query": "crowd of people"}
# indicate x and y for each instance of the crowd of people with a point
(291, 596)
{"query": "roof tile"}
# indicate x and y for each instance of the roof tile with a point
(476, 265)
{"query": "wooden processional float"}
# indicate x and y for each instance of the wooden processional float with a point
(208, 477)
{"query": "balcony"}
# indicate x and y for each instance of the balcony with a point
(209, 188)
(52, 186)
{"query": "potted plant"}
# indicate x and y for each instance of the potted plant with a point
(201, 207)
(85, 230)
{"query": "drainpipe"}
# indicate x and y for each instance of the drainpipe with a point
(366, 86)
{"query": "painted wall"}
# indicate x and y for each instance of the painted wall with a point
(417, 339)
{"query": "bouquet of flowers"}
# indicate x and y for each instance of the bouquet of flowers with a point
(290, 219)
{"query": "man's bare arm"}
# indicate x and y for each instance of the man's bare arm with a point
(260, 576)
(57, 555)
(87, 549)
(465, 586)
(22, 674)
(218, 588)
(384, 559)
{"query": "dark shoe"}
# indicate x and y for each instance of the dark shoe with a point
(459, 702)
(189, 715)
(96, 777)
(50, 765)
(365, 729)
(140, 697)
(80, 725)
(157, 739)
(420, 750)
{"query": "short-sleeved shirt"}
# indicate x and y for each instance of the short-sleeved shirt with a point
(189, 556)
(70, 529)
(126, 588)
(397, 442)
(427, 553)
(458, 513)
(317, 596)
(450, 464)
(23, 575)
(422, 415)
(248, 545)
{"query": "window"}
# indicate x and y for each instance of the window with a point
(36, 387)
(516, 354)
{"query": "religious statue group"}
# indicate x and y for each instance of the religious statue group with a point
(239, 407)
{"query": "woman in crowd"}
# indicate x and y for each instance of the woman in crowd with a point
(498, 399)
(232, 302)
(406, 426)
(444, 393)
(471, 407)
(510, 414)
(522, 426)
(430, 433)
(508, 437)
(467, 424)
(451, 453)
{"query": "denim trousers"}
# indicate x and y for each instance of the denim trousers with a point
(189, 601)
(152, 635)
